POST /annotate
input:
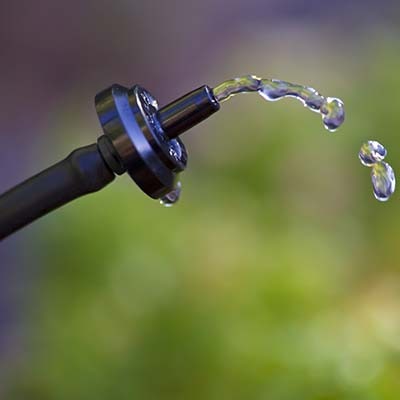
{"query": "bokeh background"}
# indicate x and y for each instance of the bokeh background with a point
(276, 277)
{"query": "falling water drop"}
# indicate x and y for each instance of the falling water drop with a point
(382, 175)
(383, 180)
(371, 152)
(173, 196)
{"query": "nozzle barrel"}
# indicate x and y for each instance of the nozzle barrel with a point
(186, 112)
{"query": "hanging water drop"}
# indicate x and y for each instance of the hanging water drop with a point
(371, 152)
(173, 196)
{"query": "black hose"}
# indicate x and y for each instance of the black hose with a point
(83, 171)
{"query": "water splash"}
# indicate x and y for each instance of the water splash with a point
(383, 179)
(173, 196)
(331, 109)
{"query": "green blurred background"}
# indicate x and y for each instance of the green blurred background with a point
(276, 276)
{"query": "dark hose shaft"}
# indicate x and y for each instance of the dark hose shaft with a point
(83, 171)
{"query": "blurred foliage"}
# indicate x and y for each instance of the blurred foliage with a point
(276, 276)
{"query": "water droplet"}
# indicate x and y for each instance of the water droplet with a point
(172, 197)
(383, 180)
(371, 152)
(332, 111)
(330, 108)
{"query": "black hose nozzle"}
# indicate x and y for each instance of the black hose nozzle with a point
(138, 139)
